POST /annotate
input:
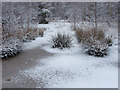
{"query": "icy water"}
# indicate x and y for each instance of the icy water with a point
(25, 60)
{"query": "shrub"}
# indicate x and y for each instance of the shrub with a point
(96, 49)
(80, 35)
(93, 41)
(10, 49)
(109, 41)
(8, 52)
(89, 35)
(61, 41)
(11, 43)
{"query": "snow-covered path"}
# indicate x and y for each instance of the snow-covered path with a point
(71, 68)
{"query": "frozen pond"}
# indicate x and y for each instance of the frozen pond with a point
(13, 65)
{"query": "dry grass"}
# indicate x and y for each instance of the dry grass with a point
(93, 34)
(33, 33)
(24, 35)
(19, 34)
(41, 31)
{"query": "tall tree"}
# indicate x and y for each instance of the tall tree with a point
(43, 13)
(95, 14)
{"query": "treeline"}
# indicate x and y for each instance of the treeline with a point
(24, 14)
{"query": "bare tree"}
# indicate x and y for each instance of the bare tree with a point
(95, 14)
(9, 17)
(28, 16)
(109, 13)
(74, 19)
(84, 13)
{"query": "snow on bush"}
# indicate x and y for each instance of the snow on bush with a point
(61, 41)
(96, 49)
(11, 48)
(94, 41)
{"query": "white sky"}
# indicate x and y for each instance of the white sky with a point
(60, 0)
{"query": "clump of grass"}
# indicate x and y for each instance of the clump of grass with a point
(93, 41)
(41, 31)
(109, 41)
(61, 41)
(89, 36)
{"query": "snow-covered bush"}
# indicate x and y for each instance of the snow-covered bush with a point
(61, 41)
(99, 49)
(11, 48)
(93, 41)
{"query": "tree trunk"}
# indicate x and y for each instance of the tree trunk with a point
(9, 18)
(110, 14)
(74, 17)
(28, 17)
(95, 14)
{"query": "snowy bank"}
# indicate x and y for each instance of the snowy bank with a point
(70, 68)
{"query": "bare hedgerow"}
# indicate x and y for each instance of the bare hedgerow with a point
(28, 35)
(32, 33)
(61, 41)
(94, 41)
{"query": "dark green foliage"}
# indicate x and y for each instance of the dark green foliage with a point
(43, 14)
(41, 6)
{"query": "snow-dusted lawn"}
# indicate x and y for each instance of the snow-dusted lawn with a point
(70, 68)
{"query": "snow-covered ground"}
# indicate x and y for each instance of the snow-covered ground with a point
(70, 68)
